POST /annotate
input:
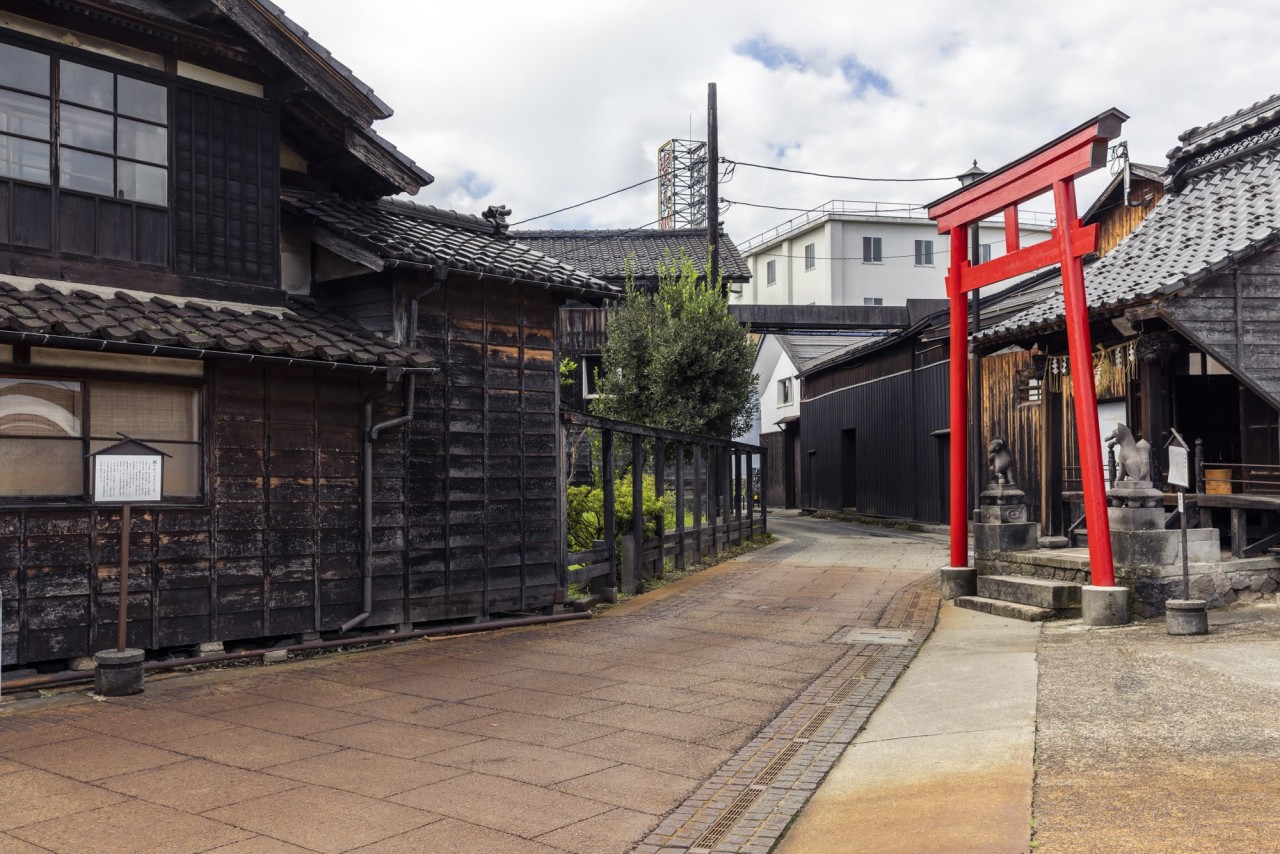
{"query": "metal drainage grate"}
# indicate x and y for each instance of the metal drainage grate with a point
(886, 637)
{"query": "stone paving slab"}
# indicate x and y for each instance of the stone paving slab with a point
(579, 737)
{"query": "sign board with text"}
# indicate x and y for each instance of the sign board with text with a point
(128, 472)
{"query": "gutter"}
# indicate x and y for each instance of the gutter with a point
(370, 432)
(132, 348)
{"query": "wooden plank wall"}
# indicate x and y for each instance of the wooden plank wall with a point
(1019, 423)
(483, 529)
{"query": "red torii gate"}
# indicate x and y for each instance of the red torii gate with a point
(1055, 167)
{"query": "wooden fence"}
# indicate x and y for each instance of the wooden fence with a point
(713, 484)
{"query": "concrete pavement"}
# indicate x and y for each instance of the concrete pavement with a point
(945, 763)
(581, 737)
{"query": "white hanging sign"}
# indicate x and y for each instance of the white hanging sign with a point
(126, 478)
(1179, 467)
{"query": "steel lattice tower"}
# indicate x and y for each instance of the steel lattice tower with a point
(682, 184)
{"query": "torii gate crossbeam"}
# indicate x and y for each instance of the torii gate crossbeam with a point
(1053, 167)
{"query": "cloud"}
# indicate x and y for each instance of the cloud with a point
(770, 54)
(556, 102)
(862, 78)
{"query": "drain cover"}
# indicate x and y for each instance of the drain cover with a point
(890, 637)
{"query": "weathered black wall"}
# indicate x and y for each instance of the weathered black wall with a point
(900, 467)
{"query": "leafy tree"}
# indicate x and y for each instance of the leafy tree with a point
(677, 359)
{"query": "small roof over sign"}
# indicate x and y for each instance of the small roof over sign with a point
(129, 447)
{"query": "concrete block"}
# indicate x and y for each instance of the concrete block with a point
(1104, 606)
(1186, 617)
(210, 648)
(1011, 537)
(1161, 548)
(1000, 608)
(958, 581)
(1054, 543)
(118, 674)
(1027, 590)
(275, 656)
(1136, 518)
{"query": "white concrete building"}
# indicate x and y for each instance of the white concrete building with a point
(861, 253)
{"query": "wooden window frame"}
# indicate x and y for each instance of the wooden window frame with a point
(87, 380)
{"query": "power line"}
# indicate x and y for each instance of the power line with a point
(589, 201)
(841, 177)
(886, 209)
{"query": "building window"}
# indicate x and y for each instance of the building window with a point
(112, 131)
(873, 300)
(48, 427)
(784, 391)
(872, 250)
(810, 256)
(113, 135)
(771, 272)
(924, 253)
(591, 367)
(108, 161)
(984, 253)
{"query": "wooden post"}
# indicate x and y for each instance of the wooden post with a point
(958, 517)
(610, 523)
(697, 500)
(637, 503)
(743, 490)
(764, 489)
(679, 505)
(123, 616)
(713, 189)
(751, 500)
(660, 492)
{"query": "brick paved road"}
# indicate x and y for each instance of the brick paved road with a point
(644, 727)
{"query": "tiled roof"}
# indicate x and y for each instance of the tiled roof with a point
(806, 348)
(609, 253)
(402, 232)
(847, 353)
(1226, 210)
(297, 332)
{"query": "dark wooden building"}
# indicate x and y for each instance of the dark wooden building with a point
(358, 396)
(616, 256)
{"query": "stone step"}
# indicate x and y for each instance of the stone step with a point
(1000, 608)
(1029, 590)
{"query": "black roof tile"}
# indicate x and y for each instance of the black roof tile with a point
(610, 254)
(299, 330)
(425, 235)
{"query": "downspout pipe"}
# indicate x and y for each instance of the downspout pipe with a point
(370, 432)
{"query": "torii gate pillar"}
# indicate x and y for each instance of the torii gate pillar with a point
(1052, 167)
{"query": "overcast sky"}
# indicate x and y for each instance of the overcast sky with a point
(540, 104)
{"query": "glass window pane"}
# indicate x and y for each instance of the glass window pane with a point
(86, 129)
(41, 467)
(30, 407)
(24, 114)
(145, 412)
(24, 69)
(143, 183)
(143, 100)
(88, 86)
(91, 173)
(24, 160)
(142, 142)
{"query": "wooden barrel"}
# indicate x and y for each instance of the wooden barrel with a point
(1217, 481)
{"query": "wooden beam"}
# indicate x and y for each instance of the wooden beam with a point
(345, 249)
(1084, 240)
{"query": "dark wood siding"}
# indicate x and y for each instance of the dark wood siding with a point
(1236, 317)
(899, 462)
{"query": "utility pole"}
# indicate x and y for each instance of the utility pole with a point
(713, 186)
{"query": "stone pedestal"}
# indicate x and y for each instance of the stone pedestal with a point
(1138, 536)
(118, 674)
(959, 581)
(1004, 524)
(1104, 606)
(1186, 616)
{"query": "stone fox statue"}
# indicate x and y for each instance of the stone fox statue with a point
(1000, 461)
(1131, 462)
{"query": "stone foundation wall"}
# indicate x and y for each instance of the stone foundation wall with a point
(1218, 584)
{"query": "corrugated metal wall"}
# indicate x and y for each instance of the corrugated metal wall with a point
(899, 463)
